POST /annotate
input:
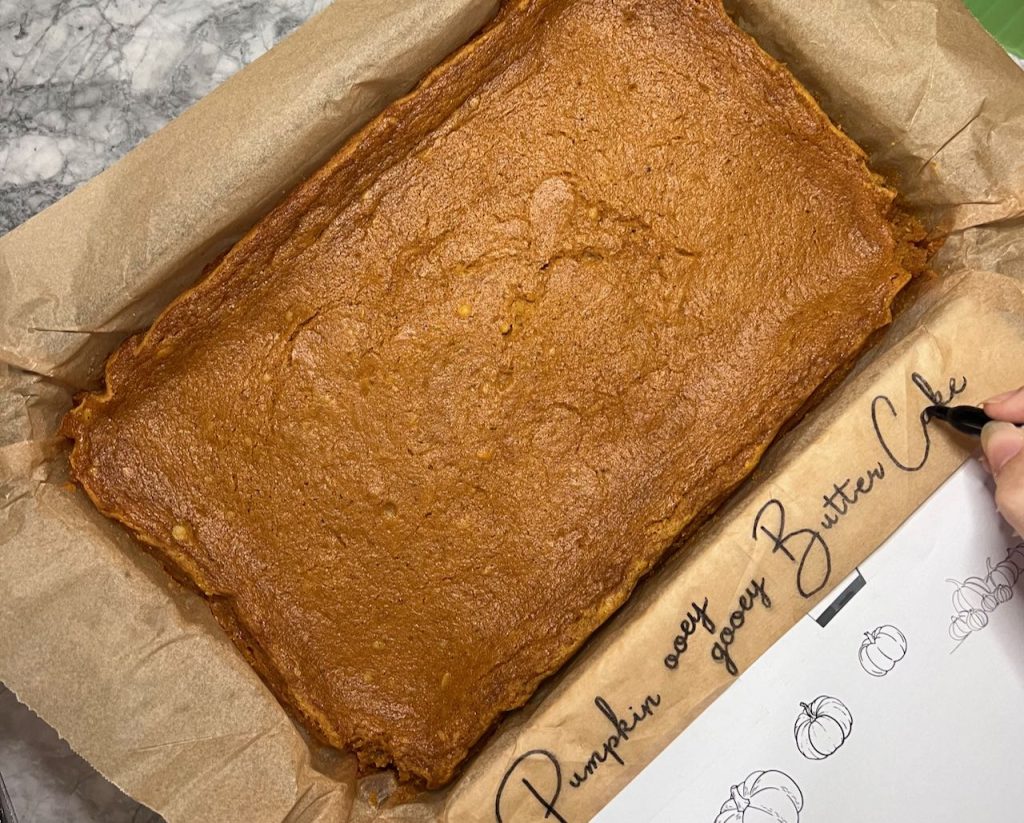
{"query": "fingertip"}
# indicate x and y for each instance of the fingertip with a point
(1001, 442)
(1006, 406)
(1006, 395)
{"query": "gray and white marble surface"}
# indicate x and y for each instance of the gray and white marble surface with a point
(81, 83)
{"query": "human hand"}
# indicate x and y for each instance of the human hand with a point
(1003, 444)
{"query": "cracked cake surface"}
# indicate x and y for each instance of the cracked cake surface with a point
(423, 428)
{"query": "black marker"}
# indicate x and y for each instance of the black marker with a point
(965, 419)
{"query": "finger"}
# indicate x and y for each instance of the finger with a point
(1010, 493)
(1003, 444)
(1006, 406)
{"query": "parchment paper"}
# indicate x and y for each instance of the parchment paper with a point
(867, 451)
(132, 670)
(104, 260)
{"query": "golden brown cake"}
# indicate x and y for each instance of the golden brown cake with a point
(424, 427)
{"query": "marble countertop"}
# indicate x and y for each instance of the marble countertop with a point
(81, 83)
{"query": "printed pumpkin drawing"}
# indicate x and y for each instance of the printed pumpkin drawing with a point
(1015, 557)
(972, 594)
(1003, 594)
(881, 650)
(1001, 579)
(976, 598)
(764, 797)
(977, 619)
(958, 627)
(822, 727)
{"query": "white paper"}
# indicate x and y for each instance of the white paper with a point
(935, 734)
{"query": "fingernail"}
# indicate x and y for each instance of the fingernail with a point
(999, 398)
(1001, 442)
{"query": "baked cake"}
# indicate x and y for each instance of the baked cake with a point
(423, 428)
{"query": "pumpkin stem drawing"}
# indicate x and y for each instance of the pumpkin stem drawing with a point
(822, 727)
(764, 797)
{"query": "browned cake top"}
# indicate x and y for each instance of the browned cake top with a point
(421, 431)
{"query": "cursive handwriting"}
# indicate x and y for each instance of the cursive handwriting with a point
(622, 731)
(882, 408)
(808, 547)
(753, 594)
(551, 769)
(697, 616)
(538, 771)
(842, 498)
(815, 564)
(935, 397)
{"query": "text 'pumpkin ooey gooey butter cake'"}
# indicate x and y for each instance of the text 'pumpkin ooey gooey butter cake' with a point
(424, 427)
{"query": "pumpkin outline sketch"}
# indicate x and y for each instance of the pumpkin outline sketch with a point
(977, 619)
(881, 649)
(1015, 557)
(769, 796)
(1002, 594)
(975, 598)
(972, 594)
(822, 727)
(1003, 573)
(959, 630)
